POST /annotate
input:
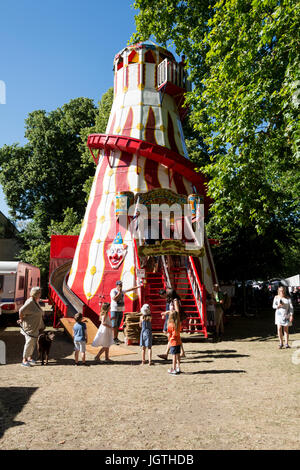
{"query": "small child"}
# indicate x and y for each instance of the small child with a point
(80, 338)
(146, 333)
(174, 341)
(166, 315)
(104, 335)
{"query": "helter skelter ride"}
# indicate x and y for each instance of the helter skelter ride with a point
(137, 225)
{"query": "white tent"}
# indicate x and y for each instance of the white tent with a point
(293, 281)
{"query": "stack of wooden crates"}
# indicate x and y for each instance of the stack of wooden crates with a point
(132, 328)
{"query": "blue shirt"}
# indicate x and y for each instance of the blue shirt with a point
(79, 331)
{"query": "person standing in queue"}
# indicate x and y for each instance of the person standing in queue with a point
(219, 312)
(283, 315)
(31, 323)
(117, 307)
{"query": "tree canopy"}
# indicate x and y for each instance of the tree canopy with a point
(243, 59)
(244, 63)
(45, 176)
(47, 180)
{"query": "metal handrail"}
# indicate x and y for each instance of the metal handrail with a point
(166, 273)
(197, 289)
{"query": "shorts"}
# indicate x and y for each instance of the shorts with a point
(80, 346)
(175, 349)
(116, 319)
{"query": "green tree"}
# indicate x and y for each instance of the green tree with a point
(104, 107)
(36, 249)
(46, 180)
(243, 59)
(45, 176)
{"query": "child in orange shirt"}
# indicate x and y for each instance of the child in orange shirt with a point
(174, 341)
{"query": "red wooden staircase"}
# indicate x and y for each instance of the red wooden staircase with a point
(183, 286)
(155, 282)
(186, 283)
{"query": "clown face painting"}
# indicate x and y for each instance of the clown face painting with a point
(116, 252)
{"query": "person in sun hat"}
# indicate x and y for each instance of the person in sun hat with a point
(146, 333)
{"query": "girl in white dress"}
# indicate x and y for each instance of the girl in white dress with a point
(104, 336)
(283, 315)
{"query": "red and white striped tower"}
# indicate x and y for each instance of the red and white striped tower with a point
(143, 150)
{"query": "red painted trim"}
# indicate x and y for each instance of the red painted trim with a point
(181, 189)
(151, 174)
(128, 124)
(141, 290)
(202, 294)
(195, 270)
(171, 136)
(160, 154)
(150, 127)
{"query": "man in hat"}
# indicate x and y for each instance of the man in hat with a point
(117, 307)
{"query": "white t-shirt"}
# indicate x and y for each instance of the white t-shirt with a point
(117, 306)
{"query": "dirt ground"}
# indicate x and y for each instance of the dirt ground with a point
(241, 393)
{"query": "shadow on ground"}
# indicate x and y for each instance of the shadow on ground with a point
(12, 401)
(237, 328)
(216, 371)
(260, 327)
(61, 348)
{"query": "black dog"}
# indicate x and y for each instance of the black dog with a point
(44, 344)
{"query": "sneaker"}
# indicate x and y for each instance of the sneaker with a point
(287, 346)
(178, 370)
(25, 364)
(172, 372)
(280, 346)
(117, 341)
(32, 362)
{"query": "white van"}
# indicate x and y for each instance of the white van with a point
(16, 281)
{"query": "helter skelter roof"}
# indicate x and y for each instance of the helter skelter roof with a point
(146, 45)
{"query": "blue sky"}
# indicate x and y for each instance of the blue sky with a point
(54, 51)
